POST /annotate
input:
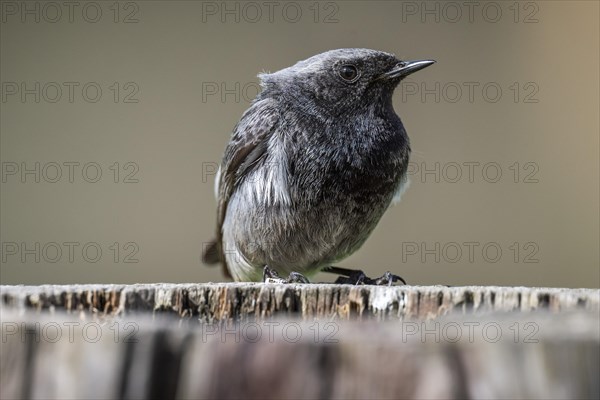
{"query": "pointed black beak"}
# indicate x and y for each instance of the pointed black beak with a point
(405, 68)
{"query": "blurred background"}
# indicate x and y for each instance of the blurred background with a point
(114, 117)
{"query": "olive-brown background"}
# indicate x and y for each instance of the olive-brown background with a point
(170, 119)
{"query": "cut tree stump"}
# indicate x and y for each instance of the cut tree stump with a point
(211, 302)
(298, 341)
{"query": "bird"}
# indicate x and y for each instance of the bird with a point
(311, 167)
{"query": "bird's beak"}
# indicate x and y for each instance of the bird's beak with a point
(405, 68)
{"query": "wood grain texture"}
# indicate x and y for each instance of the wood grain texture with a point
(509, 355)
(210, 302)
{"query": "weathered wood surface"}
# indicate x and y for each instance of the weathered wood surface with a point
(255, 301)
(492, 355)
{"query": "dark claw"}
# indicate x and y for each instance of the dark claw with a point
(269, 273)
(358, 277)
(388, 279)
(296, 277)
(355, 278)
(271, 276)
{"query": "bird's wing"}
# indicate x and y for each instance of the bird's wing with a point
(247, 146)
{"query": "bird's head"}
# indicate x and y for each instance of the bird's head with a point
(342, 81)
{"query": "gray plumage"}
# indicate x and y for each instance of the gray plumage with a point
(312, 165)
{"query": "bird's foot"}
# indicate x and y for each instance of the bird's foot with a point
(358, 277)
(271, 276)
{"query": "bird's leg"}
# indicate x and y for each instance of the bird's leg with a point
(357, 277)
(271, 276)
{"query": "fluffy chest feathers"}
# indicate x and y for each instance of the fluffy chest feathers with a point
(351, 160)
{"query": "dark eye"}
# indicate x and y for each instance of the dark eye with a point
(348, 72)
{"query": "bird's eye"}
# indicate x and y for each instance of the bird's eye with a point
(348, 73)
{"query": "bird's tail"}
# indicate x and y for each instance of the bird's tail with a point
(211, 253)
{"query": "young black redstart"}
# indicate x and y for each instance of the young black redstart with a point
(312, 166)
